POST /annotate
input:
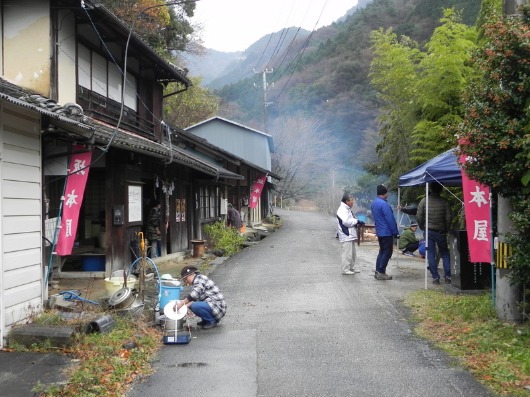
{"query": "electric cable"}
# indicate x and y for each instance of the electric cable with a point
(301, 53)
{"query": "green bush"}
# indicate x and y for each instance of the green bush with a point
(226, 239)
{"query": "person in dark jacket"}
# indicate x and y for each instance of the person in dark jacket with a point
(439, 223)
(152, 230)
(408, 210)
(233, 218)
(385, 229)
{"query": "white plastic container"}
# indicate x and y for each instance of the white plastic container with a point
(115, 282)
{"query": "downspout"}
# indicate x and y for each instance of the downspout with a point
(168, 131)
(176, 92)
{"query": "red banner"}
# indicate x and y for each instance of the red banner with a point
(255, 192)
(478, 223)
(74, 192)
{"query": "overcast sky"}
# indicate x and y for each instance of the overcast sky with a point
(233, 25)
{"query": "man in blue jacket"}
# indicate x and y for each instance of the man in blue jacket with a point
(385, 230)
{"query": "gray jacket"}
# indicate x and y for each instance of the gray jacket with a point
(439, 213)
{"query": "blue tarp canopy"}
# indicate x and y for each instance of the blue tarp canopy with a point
(443, 168)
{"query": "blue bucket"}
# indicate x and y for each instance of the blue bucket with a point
(169, 293)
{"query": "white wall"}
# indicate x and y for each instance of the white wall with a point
(21, 269)
(26, 36)
(66, 59)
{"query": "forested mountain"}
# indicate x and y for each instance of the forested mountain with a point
(324, 74)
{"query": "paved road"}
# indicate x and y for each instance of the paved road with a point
(297, 327)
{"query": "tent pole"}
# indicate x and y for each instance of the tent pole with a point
(426, 231)
(398, 207)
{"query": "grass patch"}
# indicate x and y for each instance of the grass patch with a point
(466, 327)
(107, 363)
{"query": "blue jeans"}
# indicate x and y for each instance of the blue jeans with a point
(386, 246)
(203, 310)
(440, 240)
(155, 249)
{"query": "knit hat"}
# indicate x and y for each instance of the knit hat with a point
(188, 270)
(413, 224)
(381, 189)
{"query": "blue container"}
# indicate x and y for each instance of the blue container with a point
(169, 293)
(361, 217)
(93, 263)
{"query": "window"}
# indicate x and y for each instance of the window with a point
(103, 77)
(208, 202)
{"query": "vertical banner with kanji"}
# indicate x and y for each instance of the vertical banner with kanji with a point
(73, 198)
(255, 192)
(478, 223)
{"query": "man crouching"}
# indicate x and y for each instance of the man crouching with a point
(204, 300)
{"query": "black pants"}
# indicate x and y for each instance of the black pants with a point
(411, 247)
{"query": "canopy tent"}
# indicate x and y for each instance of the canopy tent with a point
(443, 168)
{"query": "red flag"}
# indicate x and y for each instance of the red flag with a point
(255, 192)
(74, 192)
(478, 223)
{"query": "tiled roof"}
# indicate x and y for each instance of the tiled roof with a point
(71, 119)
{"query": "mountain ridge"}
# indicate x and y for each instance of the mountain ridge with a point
(324, 74)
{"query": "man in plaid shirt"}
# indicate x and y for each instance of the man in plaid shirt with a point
(205, 300)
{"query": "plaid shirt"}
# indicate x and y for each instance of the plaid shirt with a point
(204, 289)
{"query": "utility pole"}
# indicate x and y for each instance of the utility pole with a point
(265, 86)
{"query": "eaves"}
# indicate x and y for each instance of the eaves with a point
(95, 132)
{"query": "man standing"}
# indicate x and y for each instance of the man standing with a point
(439, 224)
(385, 230)
(152, 231)
(346, 223)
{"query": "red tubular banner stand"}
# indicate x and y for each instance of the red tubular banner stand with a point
(478, 223)
(73, 198)
(255, 192)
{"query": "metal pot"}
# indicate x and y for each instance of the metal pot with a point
(123, 298)
(169, 325)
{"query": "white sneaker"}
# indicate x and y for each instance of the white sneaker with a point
(356, 271)
(348, 272)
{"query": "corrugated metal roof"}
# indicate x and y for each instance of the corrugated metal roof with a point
(222, 119)
(204, 142)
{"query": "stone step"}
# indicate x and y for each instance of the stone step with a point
(31, 334)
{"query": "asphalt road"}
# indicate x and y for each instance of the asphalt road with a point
(296, 326)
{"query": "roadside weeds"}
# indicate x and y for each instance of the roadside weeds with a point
(466, 327)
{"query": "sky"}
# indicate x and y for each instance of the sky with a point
(234, 25)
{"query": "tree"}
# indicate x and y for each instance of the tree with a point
(420, 93)
(494, 131)
(393, 73)
(303, 148)
(164, 27)
(191, 106)
(443, 76)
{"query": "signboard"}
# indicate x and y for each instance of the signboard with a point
(478, 224)
(134, 201)
(255, 192)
